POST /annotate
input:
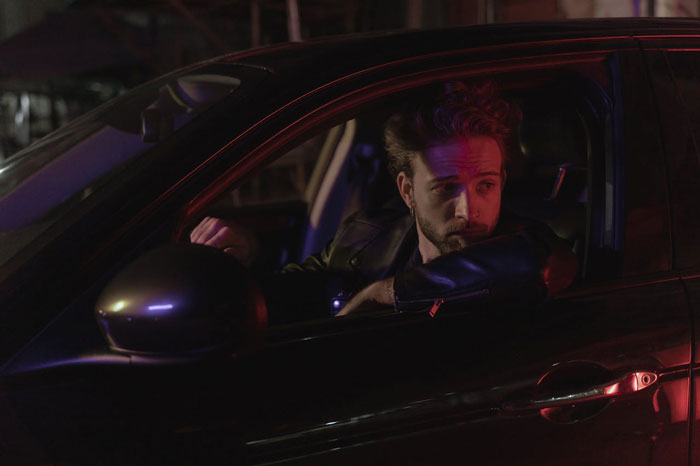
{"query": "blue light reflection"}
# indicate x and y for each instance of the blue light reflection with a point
(160, 307)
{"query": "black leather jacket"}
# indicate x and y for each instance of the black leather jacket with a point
(523, 260)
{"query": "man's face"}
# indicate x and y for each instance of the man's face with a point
(456, 192)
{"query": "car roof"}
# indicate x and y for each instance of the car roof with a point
(381, 47)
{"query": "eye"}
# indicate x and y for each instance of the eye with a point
(486, 186)
(446, 189)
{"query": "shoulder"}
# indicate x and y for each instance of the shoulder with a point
(371, 242)
(365, 225)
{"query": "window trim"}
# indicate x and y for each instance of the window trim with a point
(348, 100)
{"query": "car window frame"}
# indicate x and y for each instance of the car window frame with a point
(350, 95)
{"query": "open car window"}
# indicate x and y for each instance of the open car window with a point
(556, 172)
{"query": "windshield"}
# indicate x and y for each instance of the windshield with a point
(53, 176)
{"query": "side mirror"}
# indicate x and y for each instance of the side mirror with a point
(181, 300)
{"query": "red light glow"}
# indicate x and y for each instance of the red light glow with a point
(612, 389)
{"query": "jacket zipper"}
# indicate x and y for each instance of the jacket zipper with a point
(436, 305)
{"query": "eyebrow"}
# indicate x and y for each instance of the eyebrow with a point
(454, 177)
(481, 175)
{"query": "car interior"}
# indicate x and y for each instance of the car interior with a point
(295, 204)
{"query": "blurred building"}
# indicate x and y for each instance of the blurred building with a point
(60, 58)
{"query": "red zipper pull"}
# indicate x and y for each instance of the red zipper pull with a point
(436, 305)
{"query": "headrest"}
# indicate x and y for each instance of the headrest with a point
(553, 131)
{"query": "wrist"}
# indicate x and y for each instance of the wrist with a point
(386, 292)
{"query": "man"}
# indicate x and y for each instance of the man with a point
(448, 156)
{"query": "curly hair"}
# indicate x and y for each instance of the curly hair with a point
(449, 111)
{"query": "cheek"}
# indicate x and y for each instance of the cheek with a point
(429, 202)
(435, 210)
(491, 205)
(420, 199)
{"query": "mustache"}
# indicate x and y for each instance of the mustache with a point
(468, 229)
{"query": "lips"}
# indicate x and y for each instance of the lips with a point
(470, 233)
(470, 229)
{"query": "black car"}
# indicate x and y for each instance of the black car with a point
(287, 140)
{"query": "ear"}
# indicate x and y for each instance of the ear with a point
(403, 182)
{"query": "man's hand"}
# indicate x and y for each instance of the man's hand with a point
(226, 235)
(378, 295)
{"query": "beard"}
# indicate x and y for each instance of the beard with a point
(458, 234)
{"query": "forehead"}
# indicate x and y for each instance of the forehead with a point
(466, 156)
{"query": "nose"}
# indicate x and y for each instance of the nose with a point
(462, 205)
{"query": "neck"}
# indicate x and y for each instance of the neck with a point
(428, 251)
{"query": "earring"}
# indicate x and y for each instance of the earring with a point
(412, 210)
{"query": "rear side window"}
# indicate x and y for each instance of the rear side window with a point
(679, 102)
(637, 172)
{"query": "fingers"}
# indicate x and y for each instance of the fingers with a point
(227, 236)
(379, 295)
(202, 231)
(357, 303)
(207, 230)
(353, 304)
(222, 238)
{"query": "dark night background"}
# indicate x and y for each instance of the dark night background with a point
(60, 58)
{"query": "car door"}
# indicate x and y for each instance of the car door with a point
(598, 375)
(675, 71)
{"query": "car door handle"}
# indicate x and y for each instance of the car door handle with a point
(629, 383)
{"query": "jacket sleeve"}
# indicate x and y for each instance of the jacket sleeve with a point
(319, 262)
(527, 265)
(303, 291)
(314, 263)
